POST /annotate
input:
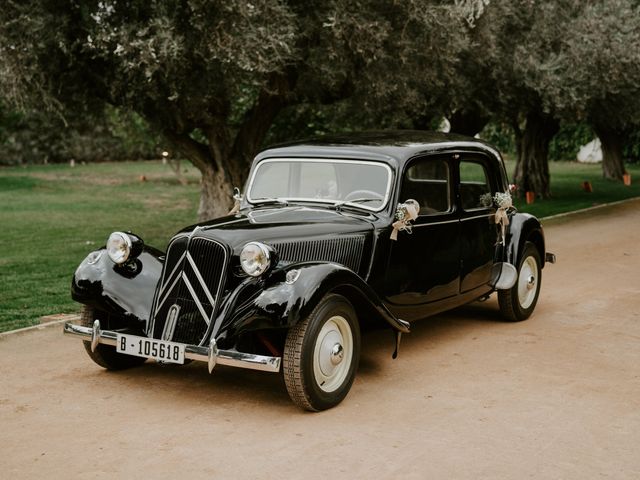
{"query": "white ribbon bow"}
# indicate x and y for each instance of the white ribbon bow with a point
(406, 212)
(503, 219)
(504, 203)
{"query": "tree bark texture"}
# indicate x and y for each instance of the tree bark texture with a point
(612, 143)
(532, 167)
(224, 161)
(215, 194)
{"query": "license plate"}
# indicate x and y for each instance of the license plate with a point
(160, 350)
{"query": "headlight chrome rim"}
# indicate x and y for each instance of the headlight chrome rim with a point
(255, 259)
(119, 247)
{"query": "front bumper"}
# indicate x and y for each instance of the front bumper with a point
(211, 354)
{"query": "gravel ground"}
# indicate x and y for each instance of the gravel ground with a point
(557, 396)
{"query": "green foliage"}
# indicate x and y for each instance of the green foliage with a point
(9, 121)
(592, 70)
(43, 137)
(203, 64)
(500, 136)
(632, 147)
(214, 76)
(565, 144)
(568, 140)
(567, 192)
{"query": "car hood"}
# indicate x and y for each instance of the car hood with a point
(278, 224)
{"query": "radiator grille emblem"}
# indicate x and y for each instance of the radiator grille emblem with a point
(170, 325)
(192, 280)
(172, 281)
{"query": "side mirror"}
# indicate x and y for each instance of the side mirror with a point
(237, 196)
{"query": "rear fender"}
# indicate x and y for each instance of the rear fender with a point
(522, 228)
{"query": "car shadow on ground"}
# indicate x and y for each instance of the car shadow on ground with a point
(428, 333)
(228, 386)
(224, 386)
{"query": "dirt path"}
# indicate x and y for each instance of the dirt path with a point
(557, 396)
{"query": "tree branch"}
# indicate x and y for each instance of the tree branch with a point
(195, 151)
(257, 121)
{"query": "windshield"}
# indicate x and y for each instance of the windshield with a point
(365, 184)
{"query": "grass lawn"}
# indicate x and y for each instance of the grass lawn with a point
(567, 193)
(53, 216)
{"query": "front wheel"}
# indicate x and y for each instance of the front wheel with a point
(518, 302)
(106, 355)
(321, 355)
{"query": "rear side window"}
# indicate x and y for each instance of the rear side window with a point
(475, 190)
(427, 181)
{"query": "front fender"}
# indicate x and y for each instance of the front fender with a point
(280, 304)
(121, 290)
(522, 228)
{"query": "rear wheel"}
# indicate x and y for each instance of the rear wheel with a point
(106, 355)
(519, 301)
(321, 355)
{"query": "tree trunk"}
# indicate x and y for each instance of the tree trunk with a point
(612, 143)
(232, 157)
(532, 167)
(215, 195)
(225, 160)
(468, 122)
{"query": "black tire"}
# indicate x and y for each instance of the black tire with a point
(106, 355)
(315, 351)
(518, 303)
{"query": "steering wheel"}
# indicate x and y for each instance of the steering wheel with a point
(363, 194)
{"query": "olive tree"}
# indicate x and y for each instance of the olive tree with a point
(506, 43)
(595, 75)
(178, 64)
(211, 75)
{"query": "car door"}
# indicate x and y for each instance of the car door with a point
(424, 266)
(478, 231)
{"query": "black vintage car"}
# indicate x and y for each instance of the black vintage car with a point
(331, 237)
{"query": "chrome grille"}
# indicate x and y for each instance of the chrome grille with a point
(346, 250)
(192, 280)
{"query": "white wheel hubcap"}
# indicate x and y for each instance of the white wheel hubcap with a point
(332, 353)
(527, 282)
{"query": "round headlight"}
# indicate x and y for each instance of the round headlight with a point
(119, 247)
(255, 259)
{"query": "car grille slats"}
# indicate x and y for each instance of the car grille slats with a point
(195, 271)
(192, 279)
(346, 250)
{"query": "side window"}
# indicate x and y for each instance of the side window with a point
(475, 191)
(427, 181)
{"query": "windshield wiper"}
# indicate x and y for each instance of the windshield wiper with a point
(268, 201)
(342, 203)
(363, 200)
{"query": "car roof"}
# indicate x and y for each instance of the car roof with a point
(391, 146)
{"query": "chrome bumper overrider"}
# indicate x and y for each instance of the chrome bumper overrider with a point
(211, 354)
